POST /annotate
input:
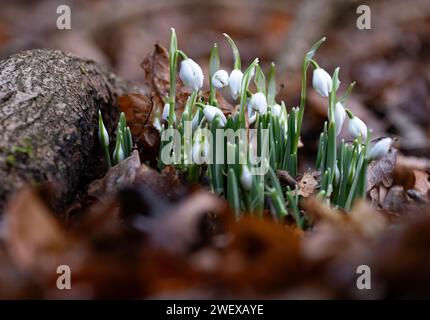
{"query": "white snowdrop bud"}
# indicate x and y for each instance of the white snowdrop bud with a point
(118, 153)
(336, 175)
(380, 148)
(235, 82)
(220, 79)
(191, 74)
(339, 116)
(322, 82)
(103, 134)
(259, 103)
(195, 121)
(357, 127)
(201, 152)
(210, 112)
(246, 178)
(276, 110)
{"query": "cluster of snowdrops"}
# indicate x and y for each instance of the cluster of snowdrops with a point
(260, 133)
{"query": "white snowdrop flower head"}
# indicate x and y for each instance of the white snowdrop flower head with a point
(235, 82)
(259, 102)
(380, 148)
(246, 178)
(357, 128)
(210, 112)
(339, 116)
(322, 82)
(276, 110)
(191, 74)
(220, 79)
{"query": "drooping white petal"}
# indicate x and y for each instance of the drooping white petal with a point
(235, 82)
(259, 102)
(322, 82)
(220, 79)
(357, 127)
(380, 148)
(191, 74)
(339, 116)
(276, 110)
(210, 112)
(246, 178)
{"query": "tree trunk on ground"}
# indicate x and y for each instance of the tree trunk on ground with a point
(49, 103)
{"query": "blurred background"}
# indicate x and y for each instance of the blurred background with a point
(390, 62)
(391, 65)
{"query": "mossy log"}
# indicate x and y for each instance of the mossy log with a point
(49, 102)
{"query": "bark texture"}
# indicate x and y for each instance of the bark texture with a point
(49, 103)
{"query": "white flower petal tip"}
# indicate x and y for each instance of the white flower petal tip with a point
(235, 82)
(210, 112)
(220, 79)
(259, 103)
(322, 82)
(380, 149)
(276, 110)
(191, 74)
(357, 128)
(339, 117)
(246, 178)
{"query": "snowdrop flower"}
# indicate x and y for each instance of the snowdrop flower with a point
(258, 102)
(276, 110)
(246, 178)
(339, 116)
(220, 79)
(235, 82)
(191, 74)
(322, 82)
(201, 152)
(166, 111)
(357, 127)
(380, 148)
(210, 112)
(118, 153)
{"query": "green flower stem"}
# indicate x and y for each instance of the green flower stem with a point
(233, 192)
(173, 53)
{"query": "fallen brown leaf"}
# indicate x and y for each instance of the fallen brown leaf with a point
(381, 171)
(137, 108)
(117, 177)
(34, 235)
(308, 184)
